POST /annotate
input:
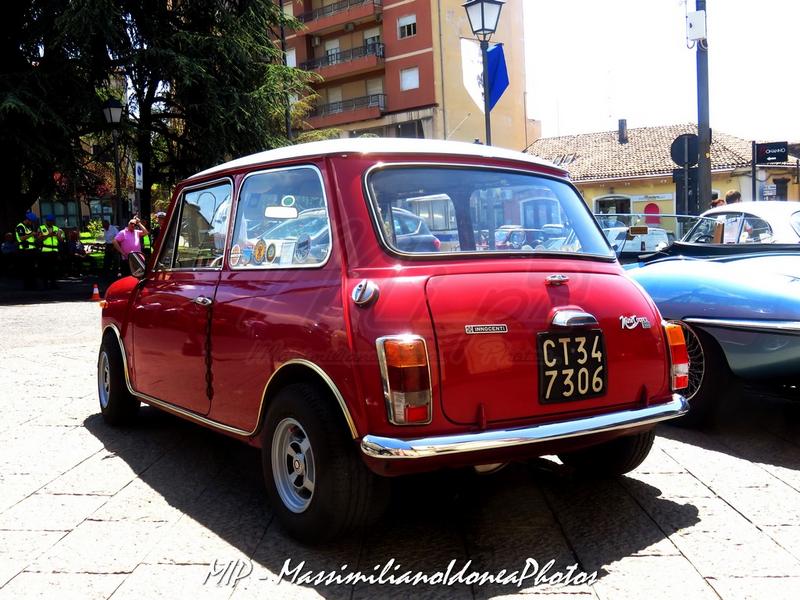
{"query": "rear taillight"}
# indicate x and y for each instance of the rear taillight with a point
(679, 356)
(436, 243)
(406, 379)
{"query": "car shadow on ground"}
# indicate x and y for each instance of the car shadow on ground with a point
(755, 426)
(537, 511)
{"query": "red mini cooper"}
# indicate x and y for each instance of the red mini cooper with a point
(286, 305)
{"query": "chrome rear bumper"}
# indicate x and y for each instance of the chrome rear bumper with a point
(389, 448)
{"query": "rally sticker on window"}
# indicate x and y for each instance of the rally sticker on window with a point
(236, 255)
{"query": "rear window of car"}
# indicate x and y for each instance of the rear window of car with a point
(467, 207)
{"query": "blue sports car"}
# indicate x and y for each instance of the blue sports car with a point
(740, 309)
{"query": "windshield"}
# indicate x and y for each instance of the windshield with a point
(474, 209)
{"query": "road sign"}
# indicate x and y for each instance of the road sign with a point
(678, 149)
(139, 176)
(770, 190)
(772, 152)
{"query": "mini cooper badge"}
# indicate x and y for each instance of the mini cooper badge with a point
(479, 329)
(633, 321)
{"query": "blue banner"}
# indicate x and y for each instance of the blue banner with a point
(498, 74)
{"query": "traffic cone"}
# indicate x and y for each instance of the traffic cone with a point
(95, 294)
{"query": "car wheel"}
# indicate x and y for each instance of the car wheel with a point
(612, 458)
(318, 486)
(709, 377)
(117, 405)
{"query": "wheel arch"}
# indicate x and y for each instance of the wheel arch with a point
(304, 371)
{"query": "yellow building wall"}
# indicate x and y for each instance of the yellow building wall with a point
(458, 117)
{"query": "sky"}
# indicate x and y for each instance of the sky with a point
(593, 62)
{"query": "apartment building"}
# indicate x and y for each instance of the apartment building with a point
(394, 68)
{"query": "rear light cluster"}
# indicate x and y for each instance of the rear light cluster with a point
(679, 356)
(406, 379)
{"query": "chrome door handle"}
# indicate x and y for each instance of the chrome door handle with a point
(203, 301)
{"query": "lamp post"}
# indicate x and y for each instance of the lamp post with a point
(112, 110)
(483, 16)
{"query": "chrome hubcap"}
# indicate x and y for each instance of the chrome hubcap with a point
(103, 379)
(697, 362)
(293, 465)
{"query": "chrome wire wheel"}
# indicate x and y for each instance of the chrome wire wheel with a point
(103, 379)
(293, 466)
(697, 362)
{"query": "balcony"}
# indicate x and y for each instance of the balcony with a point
(338, 14)
(348, 62)
(362, 108)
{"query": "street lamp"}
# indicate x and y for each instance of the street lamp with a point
(483, 17)
(112, 110)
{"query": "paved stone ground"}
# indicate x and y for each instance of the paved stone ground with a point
(87, 511)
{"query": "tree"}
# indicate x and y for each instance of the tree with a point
(47, 103)
(205, 78)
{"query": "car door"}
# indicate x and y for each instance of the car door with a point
(279, 297)
(172, 310)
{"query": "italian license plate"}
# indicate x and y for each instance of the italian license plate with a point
(572, 366)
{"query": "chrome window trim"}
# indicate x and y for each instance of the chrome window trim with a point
(471, 254)
(749, 324)
(221, 426)
(179, 212)
(264, 171)
(379, 345)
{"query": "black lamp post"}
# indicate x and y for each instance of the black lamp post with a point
(112, 110)
(483, 17)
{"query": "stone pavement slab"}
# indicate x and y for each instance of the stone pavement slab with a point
(166, 509)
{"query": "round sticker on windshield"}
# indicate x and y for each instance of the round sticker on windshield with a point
(302, 248)
(236, 255)
(287, 201)
(259, 252)
(271, 252)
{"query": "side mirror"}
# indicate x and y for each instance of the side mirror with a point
(137, 264)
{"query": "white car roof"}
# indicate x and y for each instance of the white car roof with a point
(774, 212)
(378, 145)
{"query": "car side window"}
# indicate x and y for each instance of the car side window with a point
(196, 237)
(281, 221)
(755, 231)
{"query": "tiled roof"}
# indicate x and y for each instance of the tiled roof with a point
(590, 156)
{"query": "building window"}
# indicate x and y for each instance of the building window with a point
(407, 26)
(291, 58)
(65, 212)
(288, 10)
(409, 78)
(372, 36)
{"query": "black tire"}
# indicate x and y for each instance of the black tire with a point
(613, 458)
(117, 405)
(709, 378)
(346, 495)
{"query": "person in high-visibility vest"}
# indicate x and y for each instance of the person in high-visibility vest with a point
(27, 238)
(52, 239)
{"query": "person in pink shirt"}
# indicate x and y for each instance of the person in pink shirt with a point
(130, 239)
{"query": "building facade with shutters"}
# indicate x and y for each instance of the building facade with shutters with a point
(393, 68)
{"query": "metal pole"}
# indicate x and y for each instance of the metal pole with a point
(486, 116)
(686, 174)
(753, 171)
(703, 123)
(118, 200)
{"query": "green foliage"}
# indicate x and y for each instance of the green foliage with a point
(95, 228)
(203, 81)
